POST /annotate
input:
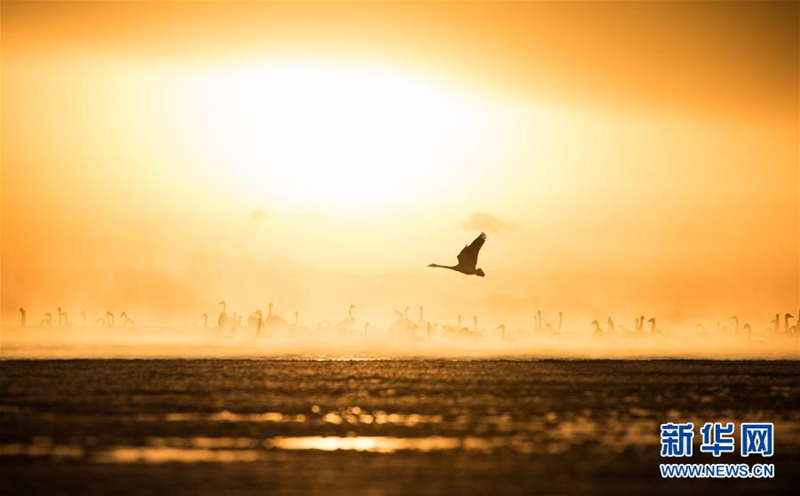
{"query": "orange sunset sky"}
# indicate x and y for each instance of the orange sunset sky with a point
(624, 158)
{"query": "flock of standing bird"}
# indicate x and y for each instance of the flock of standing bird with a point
(260, 325)
(108, 320)
(403, 325)
(745, 330)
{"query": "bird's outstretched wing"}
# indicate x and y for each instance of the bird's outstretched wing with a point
(469, 255)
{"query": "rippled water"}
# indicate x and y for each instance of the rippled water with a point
(389, 426)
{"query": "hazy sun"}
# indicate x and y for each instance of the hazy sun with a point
(322, 136)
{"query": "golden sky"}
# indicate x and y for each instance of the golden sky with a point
(624, 158)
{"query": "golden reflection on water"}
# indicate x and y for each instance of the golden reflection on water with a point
(375, 444)
(146, 454)
(243, 449)
(201, 449)
(351, 415)
(545, 435)
(228, 416)
(55, 451)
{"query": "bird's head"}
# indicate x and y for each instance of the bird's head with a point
(480, 272)
(595, 323)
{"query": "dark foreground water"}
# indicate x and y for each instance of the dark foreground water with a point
(379, 426)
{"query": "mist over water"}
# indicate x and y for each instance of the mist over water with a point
(385, 342)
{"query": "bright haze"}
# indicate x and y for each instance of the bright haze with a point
(623, 158)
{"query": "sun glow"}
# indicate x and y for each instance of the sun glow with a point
(317, 136)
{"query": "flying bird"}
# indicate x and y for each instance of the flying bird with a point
(468, 258)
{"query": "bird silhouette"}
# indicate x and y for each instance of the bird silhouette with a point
(786, 327)
(22, 315)
(735, 320)
(776, 323)
(538, 319)
(256, 321)
(47, 320)
(296, 327)
(275, 321)
(640, 324)
(421, 322)
(653, 329)
(699, 326)
(222, 320)
(448, 329)
(126, 321)
(468, 258)
(401, 326)
(411, 327)
(347, 323)
(62, 317)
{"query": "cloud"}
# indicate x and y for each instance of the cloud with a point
(486, 222)
(258, 216)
